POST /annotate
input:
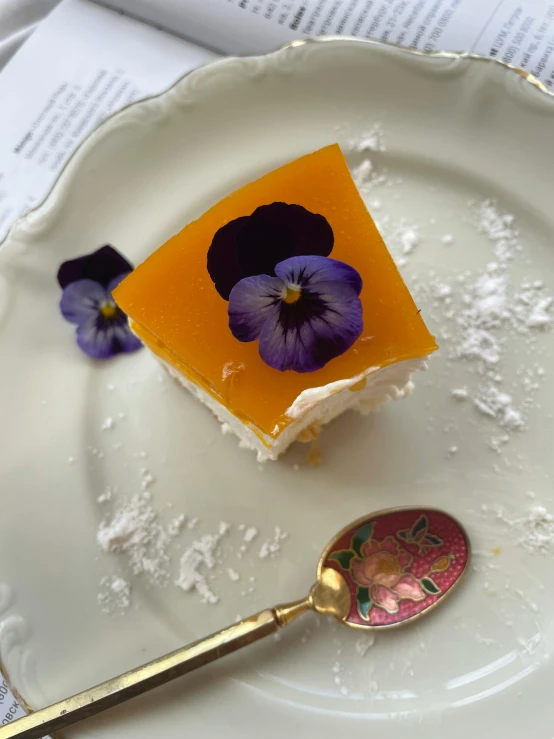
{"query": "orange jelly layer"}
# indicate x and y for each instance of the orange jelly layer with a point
(176, 309)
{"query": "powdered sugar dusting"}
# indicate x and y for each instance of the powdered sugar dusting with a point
(105, 496)
(364, 643)
(153, 550)
(409, 238)
(476, 313)
(271, 547)
(364, 172)
(499, 229)
(250, 534)
(372, 140)
(176, 525)
(114, 595)
(196, 560)
(534, 530)
(135, 529)
(498, 405)
(479, 312)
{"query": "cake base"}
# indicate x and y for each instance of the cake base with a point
(314, 407)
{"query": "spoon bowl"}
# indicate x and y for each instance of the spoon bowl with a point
(389, 568)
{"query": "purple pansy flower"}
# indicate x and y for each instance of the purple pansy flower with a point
(304, 317)
(254, 244)
(272, 267)
(87, 282)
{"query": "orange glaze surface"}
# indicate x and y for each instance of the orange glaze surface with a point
(173, 302)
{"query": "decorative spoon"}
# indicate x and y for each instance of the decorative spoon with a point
(381, 571)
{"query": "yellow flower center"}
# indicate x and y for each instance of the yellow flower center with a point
(108, 310)
(293, 294)
(387, 565)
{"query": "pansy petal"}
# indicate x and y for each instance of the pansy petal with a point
(342, 319)
(267, 239)
(101, 266)
(409, 587)
(277, 231)
(253, 245)
(115, 282)
(305, 335)
(104, 338)
(250, 302)
(223, 257)
(313, 270)
(81, 300)
(282, 347)
(127, 341)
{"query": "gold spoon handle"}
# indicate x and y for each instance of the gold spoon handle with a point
(120, 689)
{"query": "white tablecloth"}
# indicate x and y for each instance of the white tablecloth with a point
(18, 19)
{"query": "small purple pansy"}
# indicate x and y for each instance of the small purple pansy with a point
(284, 290)
(87, 283)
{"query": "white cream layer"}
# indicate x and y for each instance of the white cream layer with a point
(314, 406)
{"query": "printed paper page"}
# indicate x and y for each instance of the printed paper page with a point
(519, 32)
(53, 104)
(10, 709)
(522, 35)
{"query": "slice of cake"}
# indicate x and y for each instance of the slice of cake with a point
(281, 307)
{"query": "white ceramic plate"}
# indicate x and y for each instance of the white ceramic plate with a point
(455, 129)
